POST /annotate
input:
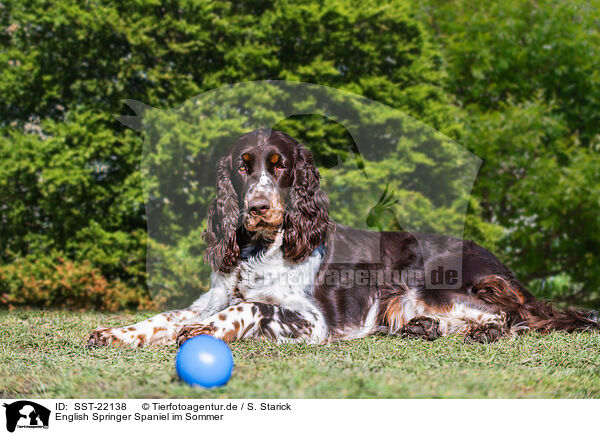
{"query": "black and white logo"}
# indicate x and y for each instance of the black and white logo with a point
(25, 414)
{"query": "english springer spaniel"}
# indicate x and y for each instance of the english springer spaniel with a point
(277, 273)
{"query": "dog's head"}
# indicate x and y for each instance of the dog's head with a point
(266, 183)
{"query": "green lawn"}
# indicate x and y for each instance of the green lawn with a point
(43, 356)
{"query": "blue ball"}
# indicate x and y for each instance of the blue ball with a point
(204, 361)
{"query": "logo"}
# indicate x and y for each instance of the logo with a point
(26, 414)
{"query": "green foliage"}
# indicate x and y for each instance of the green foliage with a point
(72, 191)
(537, 182)
(177, 273)
(527, 74)
(500, 51)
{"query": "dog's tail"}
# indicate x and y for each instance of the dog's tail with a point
(525, 310)
(542, 316)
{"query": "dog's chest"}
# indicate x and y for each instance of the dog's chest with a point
(269, 278)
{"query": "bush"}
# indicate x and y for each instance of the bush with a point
(56, 282)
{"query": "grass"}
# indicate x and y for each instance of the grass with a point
(43, 356)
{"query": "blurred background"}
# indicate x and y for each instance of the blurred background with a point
(517, 83)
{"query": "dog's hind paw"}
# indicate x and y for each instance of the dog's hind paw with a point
(422, 327)
(485, 333)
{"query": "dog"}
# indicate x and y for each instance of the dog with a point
(275, 253)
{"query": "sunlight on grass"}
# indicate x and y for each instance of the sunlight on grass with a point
(43, 355)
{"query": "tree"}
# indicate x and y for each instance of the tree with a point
(527, 74)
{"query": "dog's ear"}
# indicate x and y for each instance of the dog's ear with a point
(307, 210)
(223, 215)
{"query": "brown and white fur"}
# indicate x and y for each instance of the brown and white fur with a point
(273, 250)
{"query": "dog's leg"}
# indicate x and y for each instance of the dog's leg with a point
(408, 314)
(161, 329)
(474, 329)
(253, 320)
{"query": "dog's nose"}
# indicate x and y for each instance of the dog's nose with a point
(258, 206)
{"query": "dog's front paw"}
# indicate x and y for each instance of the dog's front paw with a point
(191, 331)
(102, 337)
